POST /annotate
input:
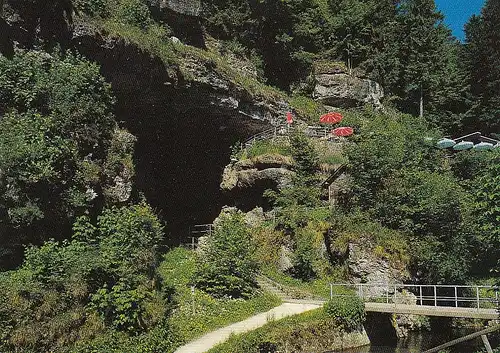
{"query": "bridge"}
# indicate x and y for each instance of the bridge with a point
(476, 302)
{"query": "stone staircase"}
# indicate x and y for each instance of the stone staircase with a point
(287, 294)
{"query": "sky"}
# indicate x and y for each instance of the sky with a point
(458, 12)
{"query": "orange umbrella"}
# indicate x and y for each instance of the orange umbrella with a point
(343, 131)
(330, 118)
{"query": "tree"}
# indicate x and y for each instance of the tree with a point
(60, 148)
(227, 267)
(103, 278)
(482, 49)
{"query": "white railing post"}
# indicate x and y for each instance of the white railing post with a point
(387, 294)
(477, 297)
(331, 291)
(420, 289)
(435, 296)
(394, 298)
(456, 297)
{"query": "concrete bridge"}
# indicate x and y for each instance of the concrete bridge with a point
(477, 302)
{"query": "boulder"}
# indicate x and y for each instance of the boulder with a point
(270, 170)
(183, 7)
(345, 91)
(365, 267)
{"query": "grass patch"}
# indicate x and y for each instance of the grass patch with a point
(307, 108)
(272, 147)
(190, 321)
(318, 288)
(270, 334)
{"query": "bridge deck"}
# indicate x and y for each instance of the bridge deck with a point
(448, 311)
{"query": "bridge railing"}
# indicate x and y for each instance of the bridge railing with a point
(479, 297)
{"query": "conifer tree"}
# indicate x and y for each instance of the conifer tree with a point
(483, 59)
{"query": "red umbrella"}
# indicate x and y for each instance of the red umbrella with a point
(343, 131)
(289, 118)
(331, 118)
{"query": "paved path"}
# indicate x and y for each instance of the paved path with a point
(213, 338)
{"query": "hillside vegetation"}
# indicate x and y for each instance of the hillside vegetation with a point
(84, 265)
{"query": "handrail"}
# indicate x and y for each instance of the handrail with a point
(445, 295)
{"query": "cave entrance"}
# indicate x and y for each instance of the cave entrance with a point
(184, 140)
(180, 157)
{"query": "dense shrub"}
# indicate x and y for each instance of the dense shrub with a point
(348, 312)
(103, 277)
(227, 266)
(133, 12)
(55, 132)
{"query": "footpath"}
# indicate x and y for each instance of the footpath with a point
(213, 338)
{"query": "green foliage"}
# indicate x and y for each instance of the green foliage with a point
(358, 228)
(294, 333)
(485, 188)
(482, 59)
(348, 312)
(133, 12)
(177, 270)
(386, 143)
(227, 266)
(307, 108)
(120, 306)
(54, 137)
(263, 147)
(72, 290)
(92, 7)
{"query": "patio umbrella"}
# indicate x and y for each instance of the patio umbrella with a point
(445, 143)
(464, 145)
(330, 118)
(481, 146)
(343, 131)
(289, 118)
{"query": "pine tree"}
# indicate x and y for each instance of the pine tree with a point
(483, 59)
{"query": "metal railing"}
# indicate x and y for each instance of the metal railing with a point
(284, 131)
(196, 231)
(422, 294)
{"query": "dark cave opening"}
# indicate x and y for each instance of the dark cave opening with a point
(183, 140)
(179, 159)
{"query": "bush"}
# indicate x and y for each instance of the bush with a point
(348, 312)
(92, 7)
(134, 12)
(227, 267)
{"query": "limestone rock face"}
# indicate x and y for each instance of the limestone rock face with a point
(184, 7)
(266, 169)
(365, 267)
(344, 91)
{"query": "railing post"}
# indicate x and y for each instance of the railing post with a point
(456, 297)
(435, 296)
(362, 295)
(387, 294)
(420, 289)
(394, 298)
(331, 291)
(477, 297)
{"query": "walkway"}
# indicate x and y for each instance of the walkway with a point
(475, 302)
(213, 338)
(430, 310)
